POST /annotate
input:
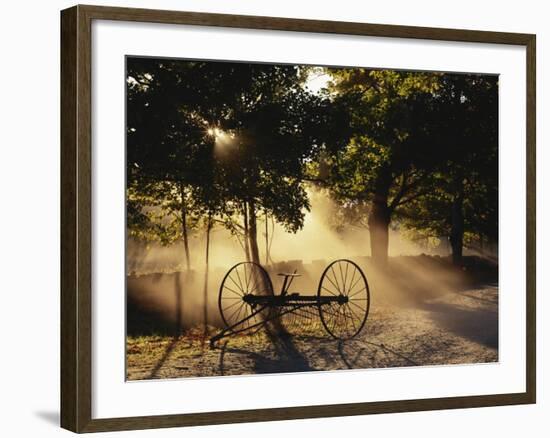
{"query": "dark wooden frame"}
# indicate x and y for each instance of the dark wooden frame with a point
(76, 168)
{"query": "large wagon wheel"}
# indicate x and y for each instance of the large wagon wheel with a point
(242, 280)
(345, 313)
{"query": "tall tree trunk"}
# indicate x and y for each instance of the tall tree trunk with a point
(206, 268)
(179, 310)
(379, 219)
(179, 289)
(253, 233)
(266, 240)
(457, 226)
(184, 227)
(246, 232)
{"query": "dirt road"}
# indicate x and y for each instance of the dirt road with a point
(456, 327)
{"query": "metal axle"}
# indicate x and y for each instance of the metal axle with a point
(291, 299)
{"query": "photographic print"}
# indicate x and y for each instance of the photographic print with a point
(295, 218)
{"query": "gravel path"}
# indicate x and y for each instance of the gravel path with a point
(457, 327)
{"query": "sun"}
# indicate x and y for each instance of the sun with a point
(222, 139)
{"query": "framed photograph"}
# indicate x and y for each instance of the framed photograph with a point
(268, 218)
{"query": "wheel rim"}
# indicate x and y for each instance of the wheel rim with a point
(345, 319)
(245, 278)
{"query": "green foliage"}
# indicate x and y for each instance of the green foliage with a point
(421, 142)
(154, 211)
(385, 153)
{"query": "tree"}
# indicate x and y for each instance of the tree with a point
(167, 150)
(215, 142)
(463, 201)
(279, 126)
(169, 154)
(384, 166)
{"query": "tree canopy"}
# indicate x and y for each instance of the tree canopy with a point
(227, 142)
(221, 140)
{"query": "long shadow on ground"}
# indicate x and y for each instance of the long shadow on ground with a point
(476, 324)
(284, 359)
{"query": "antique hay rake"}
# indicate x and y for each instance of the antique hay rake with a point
(247, 303)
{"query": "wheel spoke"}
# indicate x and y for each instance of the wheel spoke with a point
(328, 278)
(358, 306)
(334, 321)
(235, 292)
(348, 318)
(342, 277)
(246, 314)
(235, 283)
(335, 278)
(357, 292)
(355, 314)
(328, 312)
(230, 306)
(236, 312)
(346, 279)
(246, 280)
(352, 278)
(253, 290)
(329, 291)
(240, 282)
(355, 284)
(253, 280)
